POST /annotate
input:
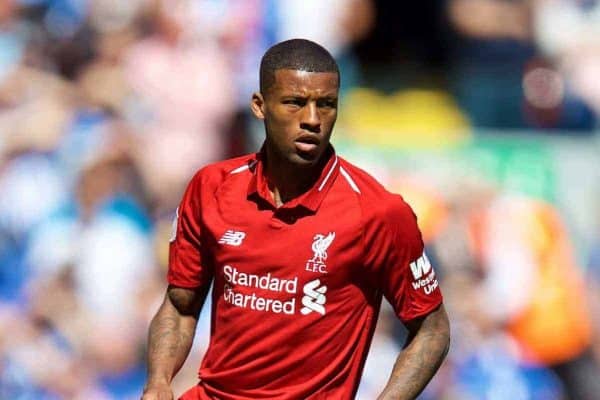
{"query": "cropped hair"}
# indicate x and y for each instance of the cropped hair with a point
(295, 54)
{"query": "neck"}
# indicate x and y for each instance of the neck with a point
(288, 181)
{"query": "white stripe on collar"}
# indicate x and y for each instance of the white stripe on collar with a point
(328, 174)
(350, 180)
(243, 168)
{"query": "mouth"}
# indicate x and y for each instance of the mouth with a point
(307, 143)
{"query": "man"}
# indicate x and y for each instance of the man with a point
(300, 246)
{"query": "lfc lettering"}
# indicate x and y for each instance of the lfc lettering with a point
(316, 267)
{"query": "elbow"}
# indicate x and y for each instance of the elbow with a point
(446, 335)
(442, 329)
(446, 347)
(445, 330)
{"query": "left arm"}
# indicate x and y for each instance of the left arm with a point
(426, 347)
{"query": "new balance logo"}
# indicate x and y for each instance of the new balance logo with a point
(314, 298)
(232, 238)
(420, 267)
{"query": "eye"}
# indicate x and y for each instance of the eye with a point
(327, 103)
(297, 102)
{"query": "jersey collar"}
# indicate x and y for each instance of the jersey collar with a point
(311, 199)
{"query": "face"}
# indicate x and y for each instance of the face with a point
(299, 111)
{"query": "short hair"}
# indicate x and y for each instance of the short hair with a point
(296, 54)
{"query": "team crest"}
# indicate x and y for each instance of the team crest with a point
(319, 247)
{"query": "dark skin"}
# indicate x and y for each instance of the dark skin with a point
(426, 347)
(299, 111)
(170, 339)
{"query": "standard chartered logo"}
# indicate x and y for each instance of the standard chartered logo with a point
(238, 292)
(314, 298)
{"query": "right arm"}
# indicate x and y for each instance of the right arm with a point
(170, 338)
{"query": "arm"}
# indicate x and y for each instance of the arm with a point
(426, 347)
(170, 338)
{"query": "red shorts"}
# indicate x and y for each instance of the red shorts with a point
(192, 394)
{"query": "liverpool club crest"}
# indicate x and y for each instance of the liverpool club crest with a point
(319, 247)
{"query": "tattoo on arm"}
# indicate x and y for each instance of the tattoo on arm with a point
(172, 331)
(427, 346)
(166, 337)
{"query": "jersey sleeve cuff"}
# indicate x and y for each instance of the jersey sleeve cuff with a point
(184, 284)
(421, 313)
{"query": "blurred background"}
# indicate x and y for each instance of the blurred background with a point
(484, 114)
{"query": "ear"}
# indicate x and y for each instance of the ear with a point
(257, 105)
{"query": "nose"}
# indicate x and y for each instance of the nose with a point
(310, 118)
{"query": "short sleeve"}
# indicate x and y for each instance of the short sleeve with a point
(395, 255)
(186, 268)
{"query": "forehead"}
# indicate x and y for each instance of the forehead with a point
(296, 81)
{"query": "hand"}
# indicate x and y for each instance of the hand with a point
(160, 391)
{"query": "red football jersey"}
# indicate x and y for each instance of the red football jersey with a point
(297, 289)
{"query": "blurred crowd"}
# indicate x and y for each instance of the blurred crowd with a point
(108, 107)
(524, 308)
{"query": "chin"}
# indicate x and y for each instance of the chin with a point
(304, 160)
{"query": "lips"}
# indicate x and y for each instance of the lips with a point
(307, 143)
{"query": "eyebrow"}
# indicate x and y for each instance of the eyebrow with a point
(293, 93)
